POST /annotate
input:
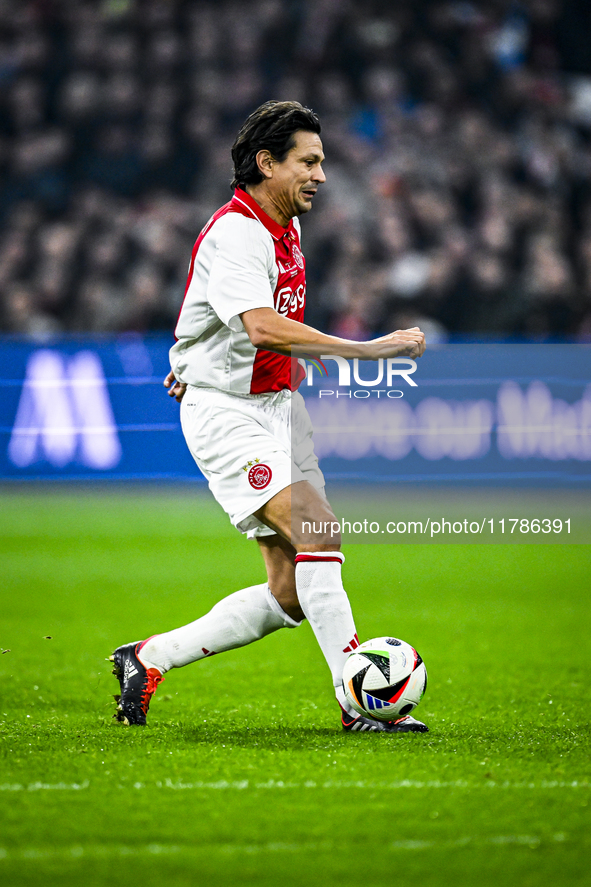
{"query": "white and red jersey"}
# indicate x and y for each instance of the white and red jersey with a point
(242, 260)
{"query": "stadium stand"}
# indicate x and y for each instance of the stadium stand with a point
(456, 135)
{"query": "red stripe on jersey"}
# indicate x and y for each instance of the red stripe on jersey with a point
(270, 371)
(249, 207)
(236, 205)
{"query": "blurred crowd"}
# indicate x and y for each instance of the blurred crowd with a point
(457, 137)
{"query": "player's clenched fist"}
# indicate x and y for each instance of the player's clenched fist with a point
(175, 389)
(402, 343)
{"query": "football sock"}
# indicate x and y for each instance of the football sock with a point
(326, 607)
(239, 619)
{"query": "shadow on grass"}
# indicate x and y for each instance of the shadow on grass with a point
(271, 736)
(309, 737)
(523, 740)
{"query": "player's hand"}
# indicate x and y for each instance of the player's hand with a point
(175, 389)
(402, 343)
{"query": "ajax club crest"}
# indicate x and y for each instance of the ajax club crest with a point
(259, 475)
(297, 256)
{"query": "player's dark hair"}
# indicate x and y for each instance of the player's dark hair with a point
(271, 127)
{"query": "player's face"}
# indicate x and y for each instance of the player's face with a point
(296, 179)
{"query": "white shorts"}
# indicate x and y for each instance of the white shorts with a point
(249, 447)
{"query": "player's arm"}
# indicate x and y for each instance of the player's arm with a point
(270, 331)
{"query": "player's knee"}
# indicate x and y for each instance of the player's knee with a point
(317, 546)
(317, 534)
(286, 596)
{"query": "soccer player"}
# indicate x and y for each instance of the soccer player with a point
(244, 421)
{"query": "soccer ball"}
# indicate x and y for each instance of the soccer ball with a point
(384, 678)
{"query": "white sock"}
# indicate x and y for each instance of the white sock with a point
(326, 606)
(237, 620)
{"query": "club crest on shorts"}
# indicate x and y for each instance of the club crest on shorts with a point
(259, 476)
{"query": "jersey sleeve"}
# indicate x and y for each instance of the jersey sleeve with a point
(242, 269)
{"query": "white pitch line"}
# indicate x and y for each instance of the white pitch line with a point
(109, 850)
(337, 784)
(44, 786)
(532, 841)
(272, 784)
(333, 784)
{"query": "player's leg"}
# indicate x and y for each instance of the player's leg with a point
(251, 613)
(238, 619)
(279, 557)
(219, 430)
(304, 519)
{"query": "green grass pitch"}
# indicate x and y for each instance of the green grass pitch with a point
(243, 775)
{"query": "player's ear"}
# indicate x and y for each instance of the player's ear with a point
(265, 162)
